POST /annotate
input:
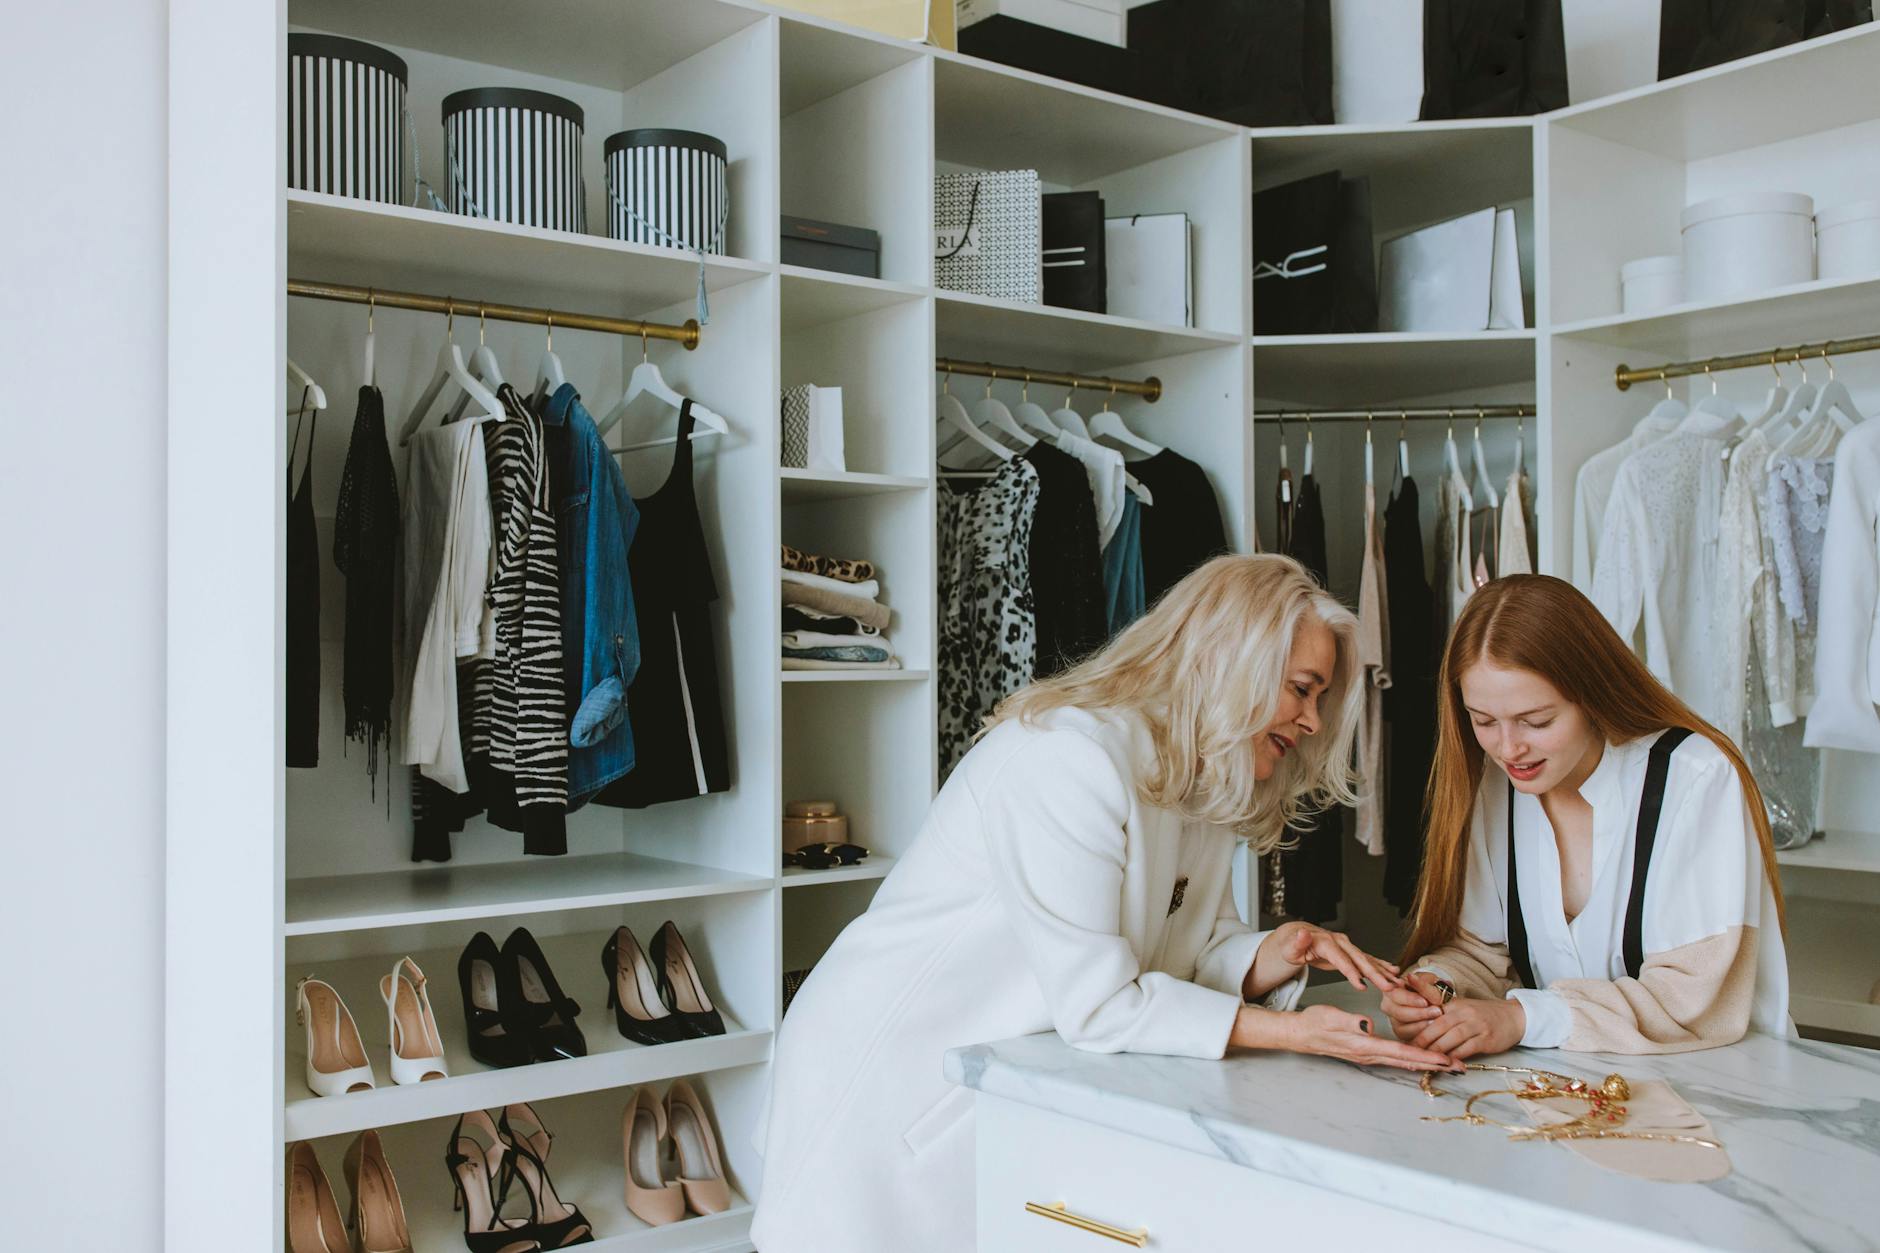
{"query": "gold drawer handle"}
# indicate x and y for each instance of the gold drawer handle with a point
(1139, 1238)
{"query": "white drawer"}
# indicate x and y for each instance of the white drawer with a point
(1187, 1202)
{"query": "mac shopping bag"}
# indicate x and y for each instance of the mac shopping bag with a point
(1313, 257)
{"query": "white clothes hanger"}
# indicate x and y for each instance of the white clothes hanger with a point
(483, 367)
(1285, 480)
(1032, 416)
(1403, 444)
(371, 373)
(1713, 417)
(1068, 419)
(1452, 462)
(1784, 424)
(549, 375)
(1832, 415)
(450, 371)
(990, 411)
(951, 412)
(648, 381)
(1370, 459)
(1480, 457)
(1108, 424)
(1773, 403)
(1306, 465)
(314, 396)
(1663, 417)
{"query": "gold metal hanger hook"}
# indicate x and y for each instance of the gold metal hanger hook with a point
(1367, 428)
(1071, 394)
(642, 343)
(482, 325)
(946, 381)
(1828, 360)
(551, 333)
(991, 378)
(371, 307)
(1773, 358)
(450, 317)
(1665, 378)
(1711, 377)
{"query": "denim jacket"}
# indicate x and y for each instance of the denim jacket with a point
(600, 640)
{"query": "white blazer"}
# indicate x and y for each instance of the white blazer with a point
(1040, 894)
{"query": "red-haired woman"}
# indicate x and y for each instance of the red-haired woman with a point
(1599, 874)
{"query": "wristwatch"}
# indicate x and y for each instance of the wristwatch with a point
(1444, 986)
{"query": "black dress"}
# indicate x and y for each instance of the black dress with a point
(1183, 529)
(303, 608)
(1410, 700)
(1066, 566)
(365, 548)
(1311, 873)
(674, 703)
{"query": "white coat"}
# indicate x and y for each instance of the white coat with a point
(1040, 894)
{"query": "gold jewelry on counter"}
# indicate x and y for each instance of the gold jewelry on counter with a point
(1603, 1120)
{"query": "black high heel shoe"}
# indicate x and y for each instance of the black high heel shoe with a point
(497, 1037)
(680, 985)
(640, 1014)
(473, 1167)
(546, 1011)
(558, 1225)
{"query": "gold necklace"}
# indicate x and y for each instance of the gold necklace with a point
(1603, 1119)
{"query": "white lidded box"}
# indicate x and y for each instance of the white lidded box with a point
(1750, 242)
(1649, 283)
(1848, 239)
(514, 155)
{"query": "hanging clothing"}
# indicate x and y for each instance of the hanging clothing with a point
(1103, 467)
(1455, 566)
(303, 604)
(1285, 500)
(1183, 528)
(1122, 568)
(1410, 702)
(674, 704)
(1067, 584)
(1374, 664)
(1709, 961)
(1514, 548)
(1592, 490)
(1487, 554)
(447, 554)
(521, 730)
(1787, 771)
(1796, 516)
(1658, 558)
(988, 628)
(1741, 577)
(595, 522)
(1307, 880)
(1039, 893)
(365, 548)
(1846, 712)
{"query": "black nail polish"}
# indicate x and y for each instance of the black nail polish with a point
(1364, 1027)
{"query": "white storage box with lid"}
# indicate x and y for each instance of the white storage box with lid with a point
(514, 155)
(1649, 283)
(1848, 237)
(345, 118)
(668, 188)
(1746, 243)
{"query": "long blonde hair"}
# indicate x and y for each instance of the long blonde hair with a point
(1544, 625)
(1204, 671)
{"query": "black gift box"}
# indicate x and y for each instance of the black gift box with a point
(1256, 64)
(1074, 273)
(1493, 58)
(831, 246)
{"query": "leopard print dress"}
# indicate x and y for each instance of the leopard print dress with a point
(988, 628)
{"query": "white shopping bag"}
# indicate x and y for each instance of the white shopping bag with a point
(812, 428)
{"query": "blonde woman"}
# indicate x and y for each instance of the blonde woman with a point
(1075, 874)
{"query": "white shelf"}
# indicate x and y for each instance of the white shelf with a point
(341, 239)
(853, 676)
(812, 297)
(1351, 371)
(980, 328)
(1834, 962)
(600, 42)
(611, 1061)
(585, 1161)
(803, 486)
(876, 867)
(1857, 851)
(1499, 149)
(1803, 89)
(450, 893)
(1804, 312)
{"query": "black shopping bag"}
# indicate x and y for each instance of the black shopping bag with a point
(1697, 34)
(1074, 275)
(1255, 64)
(1314, 257)
(1493, 58)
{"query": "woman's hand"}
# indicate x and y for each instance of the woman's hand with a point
(1467, 1027)
(1330, 1032)
(1413, 1005)
(1292, 945)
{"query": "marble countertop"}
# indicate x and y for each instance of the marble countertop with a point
(1801, 1122)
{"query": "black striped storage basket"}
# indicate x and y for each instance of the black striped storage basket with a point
(669, 188)
(345, 118)
(515, 155)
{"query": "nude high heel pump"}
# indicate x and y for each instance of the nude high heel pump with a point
(650, 1197)
(313, 1221)
(378, 1212)
(701, 1170)
(417, 1049)
(336, 1059)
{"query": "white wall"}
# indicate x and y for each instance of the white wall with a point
(82, 350)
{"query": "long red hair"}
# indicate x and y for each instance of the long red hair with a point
(1545, 625)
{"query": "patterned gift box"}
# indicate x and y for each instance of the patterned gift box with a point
(988, 234)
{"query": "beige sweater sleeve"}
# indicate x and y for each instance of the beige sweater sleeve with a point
(1697, 996)
(1474, 967)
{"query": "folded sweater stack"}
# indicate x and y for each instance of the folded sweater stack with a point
(833, 618)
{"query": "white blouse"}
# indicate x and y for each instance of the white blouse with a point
(1705, 888)
(1846, 713)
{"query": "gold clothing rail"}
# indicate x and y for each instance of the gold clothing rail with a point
(1149, 389)
(1624, 376)
(686, 334)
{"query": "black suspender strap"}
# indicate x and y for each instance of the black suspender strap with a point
(1517, 923)
(1651, 803)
